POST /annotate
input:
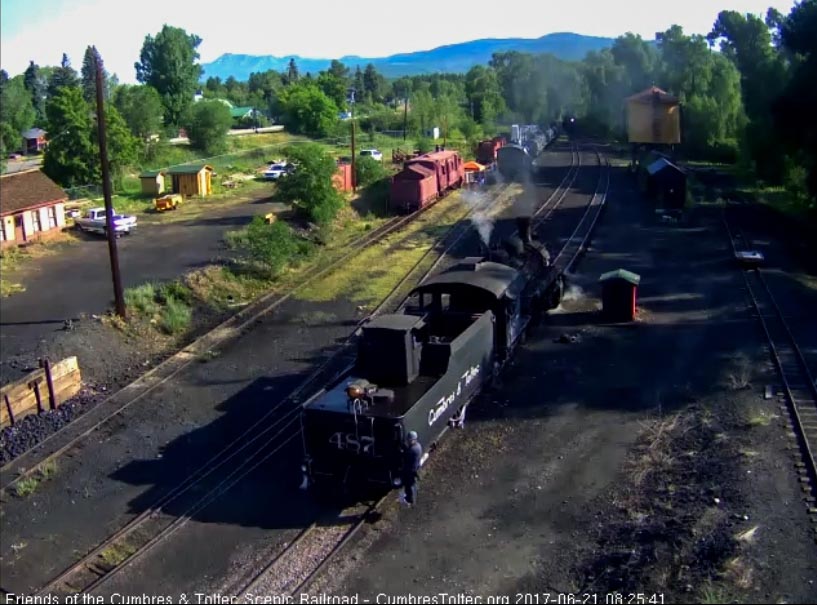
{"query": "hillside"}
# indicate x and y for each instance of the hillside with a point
(451, 58)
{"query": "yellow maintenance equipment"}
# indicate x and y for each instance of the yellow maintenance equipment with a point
(167, 202)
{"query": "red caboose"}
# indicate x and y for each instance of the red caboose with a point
(426, 178)
(448, 167)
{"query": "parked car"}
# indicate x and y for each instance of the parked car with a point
(94, 222)
(372, 153)
(276, 171)
(15, 156)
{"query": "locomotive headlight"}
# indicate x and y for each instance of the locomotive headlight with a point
(354, 391)
(303, 467)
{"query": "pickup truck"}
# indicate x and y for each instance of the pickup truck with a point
(94, 222)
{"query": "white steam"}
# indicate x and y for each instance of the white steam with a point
(483, 222)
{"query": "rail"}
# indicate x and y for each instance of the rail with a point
(153, 526)
(23, 466)
(798, 383)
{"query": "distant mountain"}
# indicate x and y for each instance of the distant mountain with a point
(454, 58)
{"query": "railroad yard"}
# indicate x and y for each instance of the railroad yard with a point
(651, 461)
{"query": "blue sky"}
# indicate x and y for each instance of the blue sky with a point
(43, 29)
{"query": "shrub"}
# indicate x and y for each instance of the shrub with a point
(272, 245)
(368, 170)
(424, 145)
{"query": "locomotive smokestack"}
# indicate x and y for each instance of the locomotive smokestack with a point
(523, 226)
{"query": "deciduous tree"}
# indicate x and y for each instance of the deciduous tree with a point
(207, 124)
(168, 63)
(309, 188)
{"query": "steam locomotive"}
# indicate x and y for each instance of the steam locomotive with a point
(515, 161)
(418, 369)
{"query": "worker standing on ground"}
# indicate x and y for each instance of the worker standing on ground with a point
(411, 468)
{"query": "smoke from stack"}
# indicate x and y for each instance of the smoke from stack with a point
(482, 221)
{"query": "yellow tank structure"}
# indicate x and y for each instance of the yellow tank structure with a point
(654, 117)
(168, 202)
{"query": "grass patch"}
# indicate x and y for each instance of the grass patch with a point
(175, 317)
(759, 417)
(222, 287)
(384, 263)
(713, 594)
(27, 486)
(116, 554)
(48, 469)
(740, 375)
(167, 306)
(142, 300)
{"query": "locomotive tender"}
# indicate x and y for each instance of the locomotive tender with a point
(515, 161)
(419, 368)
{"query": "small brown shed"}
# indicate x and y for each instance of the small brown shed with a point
(153, 182)
(195, 179)
(618, 294)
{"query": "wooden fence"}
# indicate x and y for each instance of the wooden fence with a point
(43, 389)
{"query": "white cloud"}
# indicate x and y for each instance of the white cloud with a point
(324, 28)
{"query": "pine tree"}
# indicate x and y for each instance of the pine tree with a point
(292, 72)
(359, 85)
(89, 75)
(63, 76)
(36, 87)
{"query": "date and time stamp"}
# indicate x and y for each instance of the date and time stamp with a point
(442, 598)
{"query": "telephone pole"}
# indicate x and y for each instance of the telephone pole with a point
(119, 298)
(405, 118)
(352, 118)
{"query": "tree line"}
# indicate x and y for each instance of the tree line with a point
(746, 88)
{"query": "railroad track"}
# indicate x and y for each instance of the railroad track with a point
(799, 387)
(265, 305)
(296, 566)
(580, 238)
(272, 432)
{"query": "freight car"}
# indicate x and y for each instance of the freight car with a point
(417, 369)
(424, 179)
(487, 150)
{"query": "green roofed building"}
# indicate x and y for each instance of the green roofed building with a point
(192, 179)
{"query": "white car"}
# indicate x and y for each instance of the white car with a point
(372, 153)
(276, 171)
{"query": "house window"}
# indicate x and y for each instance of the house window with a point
(52, 217)
(3, 230)
(35, 221)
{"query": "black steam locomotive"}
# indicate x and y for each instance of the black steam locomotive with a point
(418, 369)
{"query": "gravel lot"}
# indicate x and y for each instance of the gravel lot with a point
(624, 462)
(153, 445)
